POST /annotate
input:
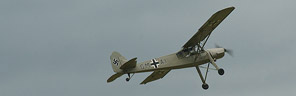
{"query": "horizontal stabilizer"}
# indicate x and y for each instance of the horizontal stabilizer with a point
(129, 64)
(113, 77)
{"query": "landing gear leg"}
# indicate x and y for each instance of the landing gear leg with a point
(220, 70)
(204, 85)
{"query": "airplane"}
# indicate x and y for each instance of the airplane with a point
(192, 54)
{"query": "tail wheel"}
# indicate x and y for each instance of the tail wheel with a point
(129, 77)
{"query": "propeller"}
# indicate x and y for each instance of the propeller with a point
(228, 51)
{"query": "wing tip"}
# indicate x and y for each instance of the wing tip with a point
(230, 8)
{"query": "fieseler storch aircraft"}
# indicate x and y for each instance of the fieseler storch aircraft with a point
(192, 54)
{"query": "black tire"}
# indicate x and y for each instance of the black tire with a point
(221, 71)
(127, 79)
(205, 86)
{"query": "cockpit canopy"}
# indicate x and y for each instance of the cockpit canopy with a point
(186, 52)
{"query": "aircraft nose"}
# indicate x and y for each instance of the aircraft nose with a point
(217, 52)
(220, 52)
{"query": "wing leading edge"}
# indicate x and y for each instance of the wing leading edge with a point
(156, 75)
(208, 27)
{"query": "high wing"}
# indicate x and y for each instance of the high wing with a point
(206, 29)
(156, 75)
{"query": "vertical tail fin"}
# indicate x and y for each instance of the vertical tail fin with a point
(117, 60)
(119, 63)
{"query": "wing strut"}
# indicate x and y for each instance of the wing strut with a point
(206, 41)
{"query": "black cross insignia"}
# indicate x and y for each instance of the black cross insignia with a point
(154, 63)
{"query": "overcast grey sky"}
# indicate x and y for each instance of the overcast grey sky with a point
(62, 47)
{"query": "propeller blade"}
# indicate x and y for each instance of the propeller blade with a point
(217, 46)
(229, 51)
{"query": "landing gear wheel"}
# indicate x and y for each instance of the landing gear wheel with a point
(221, 71)
(127, 79)
(205, 86)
